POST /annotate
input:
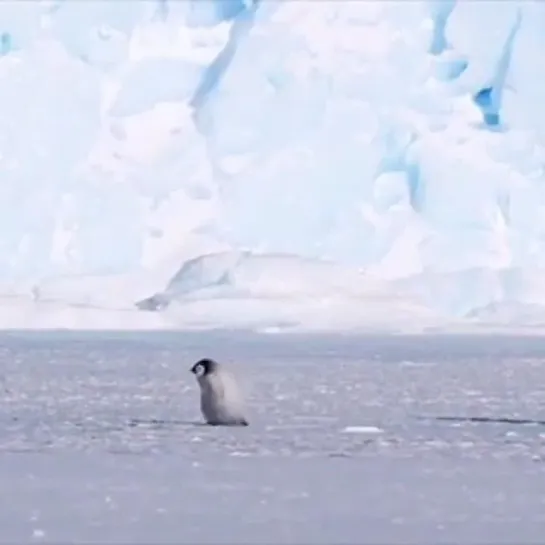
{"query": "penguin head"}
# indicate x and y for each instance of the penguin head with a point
(204, 367)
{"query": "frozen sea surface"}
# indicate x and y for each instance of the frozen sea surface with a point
(100, 440)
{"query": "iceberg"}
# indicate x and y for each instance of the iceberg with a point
(167, 160)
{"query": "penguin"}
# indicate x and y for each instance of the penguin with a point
(221, 399)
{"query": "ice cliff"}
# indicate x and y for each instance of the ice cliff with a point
(162, 152)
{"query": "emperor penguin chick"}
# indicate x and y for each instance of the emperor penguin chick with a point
(221, 399)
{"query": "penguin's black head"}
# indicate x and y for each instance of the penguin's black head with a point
(204, 367)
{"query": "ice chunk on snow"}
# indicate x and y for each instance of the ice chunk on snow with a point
(362, 429)
(271, 292)
(269, 275)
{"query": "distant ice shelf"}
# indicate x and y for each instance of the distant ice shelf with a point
(273, 164)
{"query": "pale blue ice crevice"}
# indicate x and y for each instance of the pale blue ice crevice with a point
(440, 11)
(489, 99)
(204, 122)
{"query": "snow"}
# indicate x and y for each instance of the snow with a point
(389, 140)
(102, 439)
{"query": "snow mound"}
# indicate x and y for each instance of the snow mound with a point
(276, 292)
(246, 274)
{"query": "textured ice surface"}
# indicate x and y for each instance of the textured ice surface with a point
(101, 440)
(405, 139)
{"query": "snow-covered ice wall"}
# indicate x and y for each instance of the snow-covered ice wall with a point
(402, 139)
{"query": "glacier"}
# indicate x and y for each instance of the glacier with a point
(272, 164)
